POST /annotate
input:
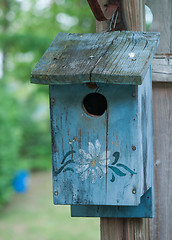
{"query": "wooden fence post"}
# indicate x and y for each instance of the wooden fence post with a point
(161, 225)
(115, 228)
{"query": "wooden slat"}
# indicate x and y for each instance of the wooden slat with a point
(162, 22)
(69, 58)
(162, 116)
(117, 67)
(104, 57)
(162, 101)
(133, 12)
(128, 229)
(144, 209)
(162, 68)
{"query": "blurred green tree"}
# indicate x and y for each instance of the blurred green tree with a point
(27, 27)
(10, 141)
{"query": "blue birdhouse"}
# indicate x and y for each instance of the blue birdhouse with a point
(100, 89)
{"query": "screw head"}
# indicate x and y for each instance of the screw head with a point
(133, 148)
(131, 54)
(134, 191)
(91, 57)
(56, 193)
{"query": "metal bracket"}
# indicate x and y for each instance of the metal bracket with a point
(103, 13)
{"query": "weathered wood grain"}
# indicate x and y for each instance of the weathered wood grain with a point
(162, 116)
(127, 229)
(162, 68)
(117, 67)
(94, 178)
(117, 57)
(144, 209)
(160, 226)
(133, 14)
(162, 22)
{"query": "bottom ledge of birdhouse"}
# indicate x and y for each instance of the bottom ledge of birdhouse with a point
(144, 210)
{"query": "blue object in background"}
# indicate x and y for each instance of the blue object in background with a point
(21, 181)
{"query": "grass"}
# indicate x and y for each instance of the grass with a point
(32, 216)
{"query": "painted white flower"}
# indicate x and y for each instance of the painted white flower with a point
(92, 163)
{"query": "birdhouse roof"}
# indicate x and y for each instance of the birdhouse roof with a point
(109, 57)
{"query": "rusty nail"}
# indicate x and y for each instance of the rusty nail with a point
(133, 148)
(56, 193)
(134, 191)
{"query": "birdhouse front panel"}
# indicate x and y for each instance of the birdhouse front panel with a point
(95, 144)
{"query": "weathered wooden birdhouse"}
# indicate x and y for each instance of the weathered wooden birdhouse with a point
(101, 121)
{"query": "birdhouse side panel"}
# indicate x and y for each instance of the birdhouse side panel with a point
(146, 126)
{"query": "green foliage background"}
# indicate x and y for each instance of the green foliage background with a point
(27, 28)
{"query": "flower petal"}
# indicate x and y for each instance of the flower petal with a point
(105, 155)
(99, 172)
(84, 154)
(93, 176)
(98, 147)
(103, 168)
(85, 175)
(81, 168)
(91, 149)
(82, 161)
(104, 162)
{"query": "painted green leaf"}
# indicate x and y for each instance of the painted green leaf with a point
(113, 178)
(68, 169)
(116, 155)
(61, 169)
(66, 155)
(126, 168)
(117, 171)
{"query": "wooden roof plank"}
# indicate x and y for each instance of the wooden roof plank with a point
(104, 57)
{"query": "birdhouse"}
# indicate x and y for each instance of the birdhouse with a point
(100, 90)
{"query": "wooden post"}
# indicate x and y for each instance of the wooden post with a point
(160, 226)
(126, 229)
(133, 12)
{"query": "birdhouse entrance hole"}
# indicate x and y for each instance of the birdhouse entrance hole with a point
(95, 104)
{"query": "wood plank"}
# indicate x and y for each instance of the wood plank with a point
(144, 209)
(69, 58)
(160, 226)
(162, 68)
(116, 57)
(162, 22)
(162, 116)
(128, 229)
(133, 12)
(94, 140)
(117, 67)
